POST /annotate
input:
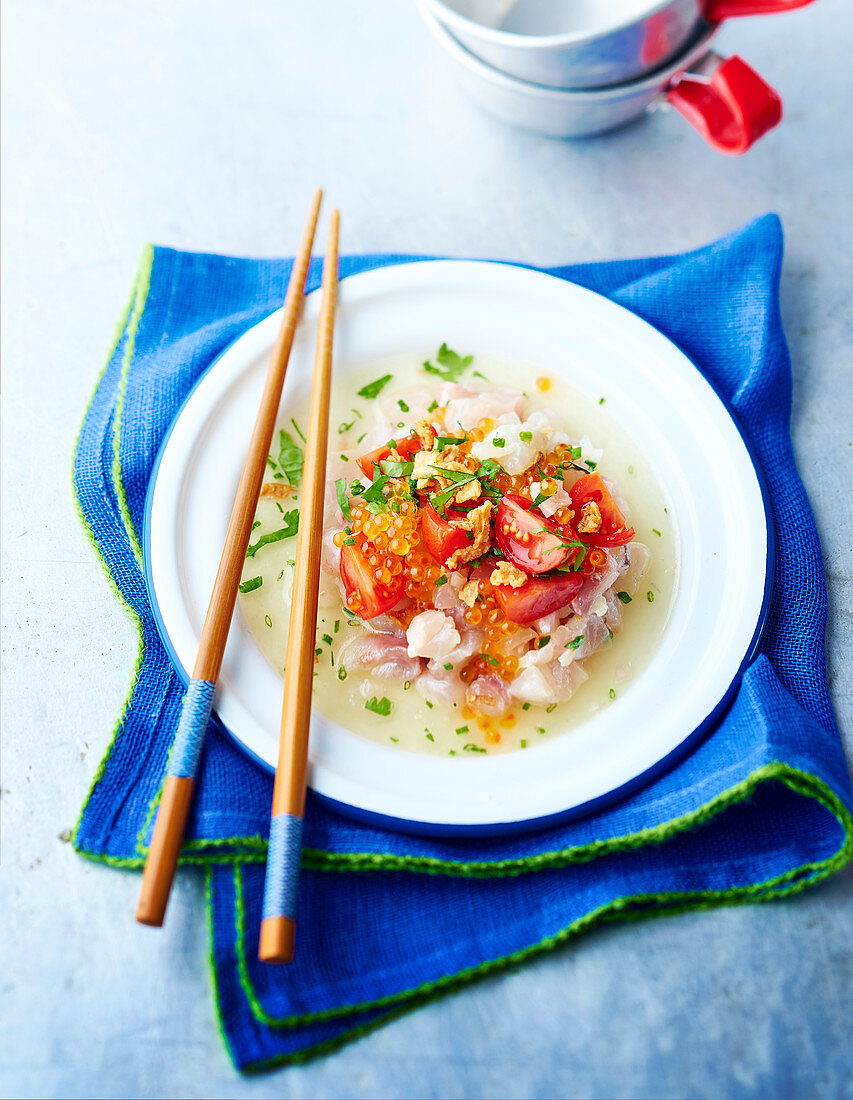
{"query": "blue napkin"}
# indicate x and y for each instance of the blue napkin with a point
(759, 810)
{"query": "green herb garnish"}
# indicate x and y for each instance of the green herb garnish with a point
(612, 693)
(451, 366)
(379, 706)
(496, 442)
(342, 673)
(343, 502)
(650, 596)
(373, 389)
(575, 643)
(525, 437)
(656, 532)
(290, 458)
(523, 743)
(268, 621)
(298, 430)
(472, 748)
(623, 596)
(525, 706)
(396, 469)
(429, 736)
(403, 406)
(441, 580)
(251, 585)
(489, 659)
(543, 641)
(292, 521)
(550, 708)
(462, 729)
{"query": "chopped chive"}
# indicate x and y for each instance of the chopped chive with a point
(550, 708)
(650, 596)
(403, 406)
(256, 524)
(394, 739)
(525, 706)
(496, 442)
(462, 729)
(337, 625)
(363, 434)
(429, 736)
(523, 743)
(268, 621)
(543, 641)
(281, 574)
(489, 659)
(472, 748)
(252, 584)
(452, 752)
(449, 666)
(525, 437)
(428, 703)
(630, 469)
(443, 579)
(623, 596)
(540, 729)
(601, 400)
(327, 638)
(656, 532)
(433, 406)
(318, 651)
(406, 685)
(342, 673)
(575, 642)
(298, 431)
(612, 693)
(349, 541)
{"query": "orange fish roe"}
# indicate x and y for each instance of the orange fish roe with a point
(543, 384)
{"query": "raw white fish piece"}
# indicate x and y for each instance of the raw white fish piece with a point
(382, 655)
(432, 634)
(533, 685)
(467, 411)
(595, 586)
(488, 695)
(470, 643)
(637, 558)
(447, 688)
(620, 502)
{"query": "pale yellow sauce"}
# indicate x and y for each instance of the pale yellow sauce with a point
(611, 670)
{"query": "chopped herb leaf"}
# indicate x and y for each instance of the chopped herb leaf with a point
(379, 706)
(575, 643)
(256, 524)
(429, 704)
(656, 532)
(403, 406)
(449, 666)
(281, 574)
(443, 579)
(540, 729)
(550, 708)
(394, 739)
(450, 365)
(497, 442)
(345, 426)
(650, 596)
(396, 469)
(363, 434)
(318, 651)
(601, 400)
(343, 503)
(472, 748)
(298, 430)
(268, 621)
(630, 469)
(290, 458)
(278, 505)
(406, 685)
(292, 521)
(525, 437)
(590, 464)
(327, 638)
(489, 659)
(477, 374)
(433, 406)
(373, 389)
(342, 673)
(543, 641)
(337, 625)
(442, 441)
(612, 693)
(452, 752)
(429, 736)
(525, 706)
(349, 540)
(523, 743)
(252, 584)
(462, 729)
(623, 596)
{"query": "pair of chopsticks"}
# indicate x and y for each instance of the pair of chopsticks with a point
(288, 806)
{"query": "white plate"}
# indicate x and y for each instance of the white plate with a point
(717, 506)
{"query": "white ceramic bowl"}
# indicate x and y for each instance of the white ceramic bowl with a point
(652, 389)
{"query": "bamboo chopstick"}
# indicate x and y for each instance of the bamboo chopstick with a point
(178, 786)
(278, 926)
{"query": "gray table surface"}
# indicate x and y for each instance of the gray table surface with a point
(205, 126)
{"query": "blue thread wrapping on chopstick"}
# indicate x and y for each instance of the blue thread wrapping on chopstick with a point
(283, 859)
(195, 714)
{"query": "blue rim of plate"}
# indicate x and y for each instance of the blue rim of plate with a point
(617, 794)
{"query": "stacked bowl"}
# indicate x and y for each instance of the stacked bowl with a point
(571, 68)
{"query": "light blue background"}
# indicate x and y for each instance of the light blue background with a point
(206, 125)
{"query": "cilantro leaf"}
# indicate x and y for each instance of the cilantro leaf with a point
(450, 365)
(251, 584)
(291, 520)
(290, 458)
(373, 389)
(379, 706)
(343, 503)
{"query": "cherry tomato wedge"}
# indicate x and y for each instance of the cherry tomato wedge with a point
(358, 578)
(613, 530)
(406, 448)
(441, 536)
(527, 539)
(537, 597)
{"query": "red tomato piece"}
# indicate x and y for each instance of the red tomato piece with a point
(537, 597)
(527, 539)
(358, 578)
(441, 536)
(613, 530)
(406, 448)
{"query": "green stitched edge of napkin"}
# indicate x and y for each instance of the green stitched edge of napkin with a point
(628, 908)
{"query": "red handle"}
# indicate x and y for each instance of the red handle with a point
(716, 10)
(732, 110)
